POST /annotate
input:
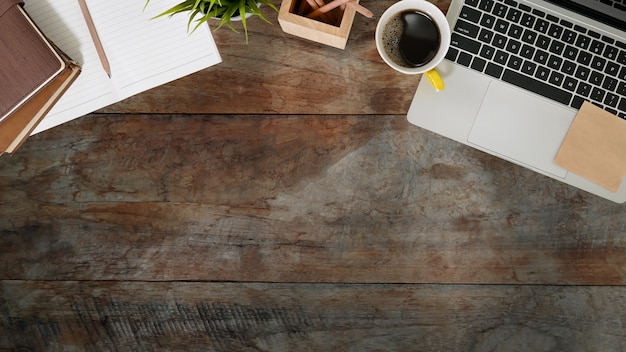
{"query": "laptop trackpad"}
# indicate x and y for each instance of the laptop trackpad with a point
(522, 127)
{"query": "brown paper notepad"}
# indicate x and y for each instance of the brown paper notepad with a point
(33, 75)
(595, 147)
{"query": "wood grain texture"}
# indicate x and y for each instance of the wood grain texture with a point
(280, 201)
(278, 73)
(292, 199)
(127, 316)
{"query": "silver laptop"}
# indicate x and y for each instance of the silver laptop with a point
(517, 72)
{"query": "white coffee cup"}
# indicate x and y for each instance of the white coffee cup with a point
(438, 19)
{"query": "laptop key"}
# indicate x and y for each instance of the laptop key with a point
(584, 89)
(555, 31)
(596, 47)
(598, 63)
(499, 10)
(528, 20)
(464, 59)
(452, 53)
(542, 25)
(570, 52)
(469, 29)
(570, 84)
(568, 67)
(597, 94)
(513, 46)
(594, 34)
(499, 41)
(622, 104)
(609, 84)
(542, 73)
(577, 102)
(583, 42)
(487, 21)
(494, 70)
(584, 58)
(485, 36)
(516, 31)
(527, 51)
(529, 36)
(486, 5)
(556, 47)
(514, 15)
(569, 36)
(541, 57)
(621, 58)
(465, 43)
(487, 52)
(470, 14)
(610, 52)
(622, 74)
(611, 100)
(596, 78)
(556, 78)
(501, 26)
(528, 67)
(611, 69)
(555, 62)
(621, 89)
(582, 73)
(515, 62)
(501, 57)
(478, 64)
(543, 42)
(538, 13)
(537, 86)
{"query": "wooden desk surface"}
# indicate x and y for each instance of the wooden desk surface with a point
(280, 201)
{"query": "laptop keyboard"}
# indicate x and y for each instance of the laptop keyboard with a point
(618, 4)
(541, 53)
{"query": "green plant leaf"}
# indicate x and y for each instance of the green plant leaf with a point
(257, 11)
(242, 13)
(200, 11)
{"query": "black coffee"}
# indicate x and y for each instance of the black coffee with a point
(411, 39)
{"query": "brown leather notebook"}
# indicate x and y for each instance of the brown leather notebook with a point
(34, 74)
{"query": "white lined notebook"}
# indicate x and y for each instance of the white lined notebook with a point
(143, 52)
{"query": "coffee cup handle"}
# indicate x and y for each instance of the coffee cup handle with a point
(435, 79)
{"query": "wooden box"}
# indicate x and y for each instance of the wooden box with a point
(315, 29)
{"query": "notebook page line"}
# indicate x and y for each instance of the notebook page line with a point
(63, 23)
(144, 53)
(138, 58)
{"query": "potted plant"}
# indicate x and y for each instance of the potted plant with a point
(200, 11)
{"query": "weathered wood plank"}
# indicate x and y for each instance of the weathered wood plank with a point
(277, 73)
(161, 199)
(147, 316)
(292, 199)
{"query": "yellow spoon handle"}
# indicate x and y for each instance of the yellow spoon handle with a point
(435, 79)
